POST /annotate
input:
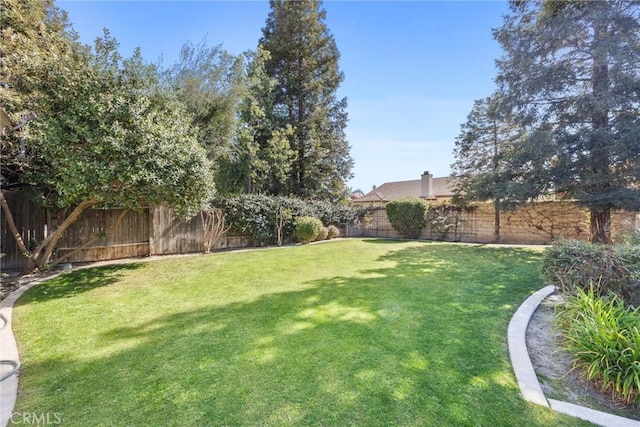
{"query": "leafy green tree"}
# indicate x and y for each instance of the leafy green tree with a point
(480, 170)
(108, 134)
(32, 33)
(208, 80)
(261, 157)
(570, 76)
(304, 62)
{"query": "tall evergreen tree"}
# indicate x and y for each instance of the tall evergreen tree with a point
(571, 75)
(304, 63)
(480, 170)
(260, 158)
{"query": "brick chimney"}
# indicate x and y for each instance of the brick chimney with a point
(426, 190)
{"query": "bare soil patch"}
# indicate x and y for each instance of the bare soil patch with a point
(553, 366)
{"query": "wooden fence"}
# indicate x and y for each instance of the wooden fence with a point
(105, 234)
(101, 234)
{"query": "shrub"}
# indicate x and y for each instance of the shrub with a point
(307, 228)
(571, 265)
(631, 236)
(333, 232)
(408, 216)
(323, 234)
(604, 337)
(268, 220)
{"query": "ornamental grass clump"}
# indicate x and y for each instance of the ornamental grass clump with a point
(323, 234)
(333, 232)
(603, 335)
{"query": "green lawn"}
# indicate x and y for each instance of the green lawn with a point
(351, 332)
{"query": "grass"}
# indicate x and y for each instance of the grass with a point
(353, 332)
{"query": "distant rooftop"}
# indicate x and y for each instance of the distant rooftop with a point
(389, 191)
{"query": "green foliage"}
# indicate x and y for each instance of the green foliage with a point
(259, 216)
(306, 228)
(569, 75)
(482, 147)
(107, 131)
(408, 216)
(573, 265)
(33, 36)
(303, 61)
(260, 156)
(333, 232)
(604, 337)
(209, 82)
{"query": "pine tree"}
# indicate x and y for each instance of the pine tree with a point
(304, 63)
(480, 170)
(571, 75)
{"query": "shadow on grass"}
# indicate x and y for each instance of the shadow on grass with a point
(393, 346)
(77, 282)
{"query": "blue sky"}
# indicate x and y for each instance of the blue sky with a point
(412, 68)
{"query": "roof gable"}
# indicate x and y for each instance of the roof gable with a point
(389, 191)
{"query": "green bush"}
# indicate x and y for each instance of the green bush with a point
(307, 228)
(571, 265)
(323, 234)
(259, 216)
(408, 216)
(333, 232)
(604, 337)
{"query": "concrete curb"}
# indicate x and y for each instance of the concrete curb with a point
(526, 376)
(9, 354)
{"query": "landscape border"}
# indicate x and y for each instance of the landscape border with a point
(525, 374)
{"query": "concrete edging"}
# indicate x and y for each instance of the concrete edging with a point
(9, 353)
(526, 376)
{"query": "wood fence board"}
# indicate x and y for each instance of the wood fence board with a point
(171, 235)
(159, 231)
(30, 219)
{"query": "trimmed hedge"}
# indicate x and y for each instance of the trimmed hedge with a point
(571, 265)
(408, 216)
(258, 216)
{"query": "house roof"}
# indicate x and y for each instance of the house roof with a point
(442, 187)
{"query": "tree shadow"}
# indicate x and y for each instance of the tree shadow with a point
(391, 346)
(76, 282)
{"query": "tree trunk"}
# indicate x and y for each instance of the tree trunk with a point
(600, 161)
(600, 225)
(12, 225)
(496, 201)
(36, 260)
(496, 222)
